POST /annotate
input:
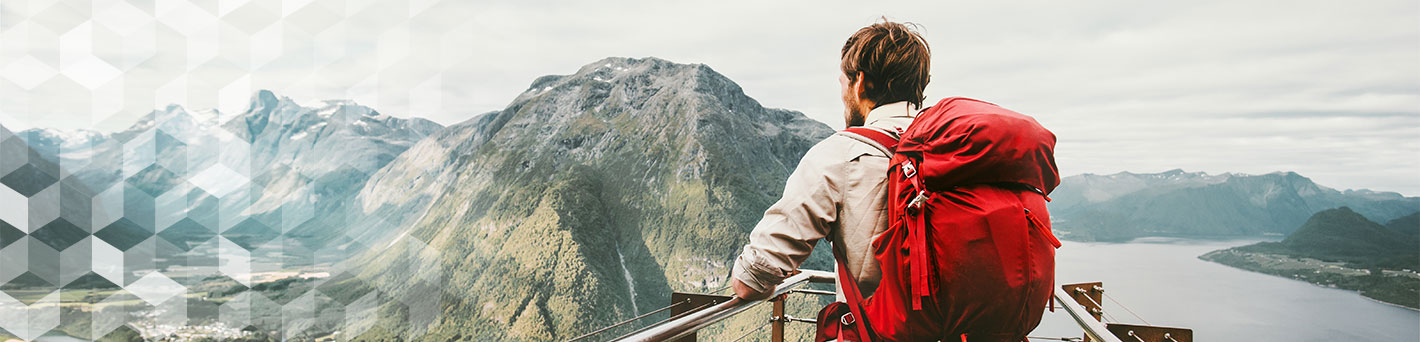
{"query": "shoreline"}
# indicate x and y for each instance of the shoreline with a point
(1212, 257)
(1358, 292)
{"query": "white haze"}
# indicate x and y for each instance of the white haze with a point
(1328, 89)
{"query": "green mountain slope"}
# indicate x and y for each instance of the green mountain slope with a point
(1343, 233)
(586, 201)
(1408, 225)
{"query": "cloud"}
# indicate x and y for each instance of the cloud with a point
(1330, 90)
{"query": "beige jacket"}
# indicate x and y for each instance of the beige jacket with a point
(839, 190)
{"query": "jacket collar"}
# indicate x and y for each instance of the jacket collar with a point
(895, 109)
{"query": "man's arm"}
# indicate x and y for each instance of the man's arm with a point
(746, 292)
(786, 234)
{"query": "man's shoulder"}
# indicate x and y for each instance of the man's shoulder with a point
(839, 148)
(839, 143)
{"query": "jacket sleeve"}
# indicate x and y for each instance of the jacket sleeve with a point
(783, 239)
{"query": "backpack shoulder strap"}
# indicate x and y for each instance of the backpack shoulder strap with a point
(882, 140)
(850, 292)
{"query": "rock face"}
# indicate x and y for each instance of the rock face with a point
(1175, 203)
(587, 200)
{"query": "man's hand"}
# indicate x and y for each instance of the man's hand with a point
(746, 292)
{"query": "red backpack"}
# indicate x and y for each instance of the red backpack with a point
(968, 253)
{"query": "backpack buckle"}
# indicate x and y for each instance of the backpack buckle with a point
(916, 203)
(908, 171)
(846, 319)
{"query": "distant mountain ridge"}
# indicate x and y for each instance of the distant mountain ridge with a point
(275, 170)
(283, 131)
(1126, 205)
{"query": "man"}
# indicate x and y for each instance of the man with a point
(839, 189)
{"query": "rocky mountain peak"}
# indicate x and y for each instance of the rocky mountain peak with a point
(264, 100)
(280, 117)
(688, 107)
(627, 169)
(632, 81)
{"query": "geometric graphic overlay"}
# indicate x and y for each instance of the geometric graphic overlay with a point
(155, 288)
(225, 219)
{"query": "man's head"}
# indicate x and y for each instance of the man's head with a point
(883, 63)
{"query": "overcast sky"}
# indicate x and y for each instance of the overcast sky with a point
(1328, 89)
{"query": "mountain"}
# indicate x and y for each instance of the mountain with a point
(1408, 225)
(585, 201)
(316, 159)
(1176, 203)
(272, 179)
(1342, 232)
(44, 215)
(1339, 248)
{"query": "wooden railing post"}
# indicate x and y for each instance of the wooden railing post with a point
(776, 328)
(694, 301)
(1089, 295)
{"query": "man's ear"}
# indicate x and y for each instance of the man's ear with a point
(860, 86)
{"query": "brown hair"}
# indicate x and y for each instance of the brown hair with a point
(894, 59)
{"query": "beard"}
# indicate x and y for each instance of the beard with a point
(853, 115)
(852, 118)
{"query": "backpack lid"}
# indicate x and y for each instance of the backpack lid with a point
(961, 141)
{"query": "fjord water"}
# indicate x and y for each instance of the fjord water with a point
(1163, 281)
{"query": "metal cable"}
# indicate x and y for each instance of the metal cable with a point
(1067, 339)
(1110, 317)
(752, 331)
(814, 292)
(673, 317)
(633, 319)
(788, 318)
(1097, 304)
(1131, 312)
(1102, 312)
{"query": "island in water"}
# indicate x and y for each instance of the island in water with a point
(1342, 249)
